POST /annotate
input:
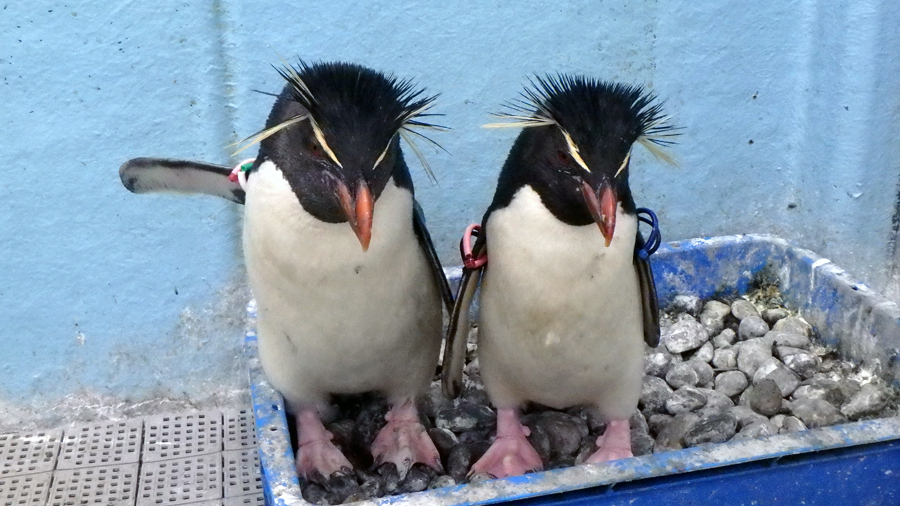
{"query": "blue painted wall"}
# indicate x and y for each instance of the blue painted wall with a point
(791, 114)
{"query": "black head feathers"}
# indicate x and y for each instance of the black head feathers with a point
(339, 99)
(588, 109)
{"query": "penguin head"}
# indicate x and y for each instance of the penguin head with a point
(333, 133)
(575, 149)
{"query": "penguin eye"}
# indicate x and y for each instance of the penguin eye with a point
(562, 156)
(314, 148)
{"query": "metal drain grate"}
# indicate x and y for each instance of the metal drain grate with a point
(28, 453)
(178, 481)
(101, 444)
(110, 485)
(240, 429)
(242, 474)
(182, 435)
(245, 500)
(25, 490)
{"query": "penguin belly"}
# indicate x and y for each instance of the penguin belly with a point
(332, 318)
(560, 317)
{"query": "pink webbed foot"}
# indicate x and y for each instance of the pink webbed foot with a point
(510, 454)
(614, 444)
(317, 457)
(404, 441)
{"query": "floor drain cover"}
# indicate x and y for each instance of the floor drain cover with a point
(242, 474)
(182, 435)
(245, 500)
(101, 444)
(25, 490)
(190, 479)
(28, 453)
(240, 429)
(109, 485)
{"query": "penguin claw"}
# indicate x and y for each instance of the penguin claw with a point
(321, 459)
(508, 456)
(404, 441)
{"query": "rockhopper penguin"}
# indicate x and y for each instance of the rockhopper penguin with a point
(565, 308)
(347, 283)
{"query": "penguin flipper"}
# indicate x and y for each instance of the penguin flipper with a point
(454, 359)
(152, 175)
(434, 262)
(649, 300)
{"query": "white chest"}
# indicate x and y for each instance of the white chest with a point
(560, 311)
(333, 318)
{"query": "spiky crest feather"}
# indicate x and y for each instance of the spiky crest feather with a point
(556, 100)
(396, 103)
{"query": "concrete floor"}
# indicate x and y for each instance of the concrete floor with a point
(206, 458)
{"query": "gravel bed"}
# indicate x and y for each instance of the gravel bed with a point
(724, 370)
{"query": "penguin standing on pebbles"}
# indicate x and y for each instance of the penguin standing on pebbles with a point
(348, 286)
(565, 308)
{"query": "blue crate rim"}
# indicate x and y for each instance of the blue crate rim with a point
(282, 485)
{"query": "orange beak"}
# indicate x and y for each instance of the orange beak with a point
(602, 208)
(358, 209)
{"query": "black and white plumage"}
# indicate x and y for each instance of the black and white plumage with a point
(348, 286)
(565, 308)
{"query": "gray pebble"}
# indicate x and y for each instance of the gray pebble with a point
(314, 493)
(682, 374)
(764, 397)
(657, 421)
(564, 431)
(816, 413)
(657, 363)
(849, 387)
(716, 428)
(772, 315)
(642, 444)
(638, 424)
(671, 436)
(746, 416)
(591, 415)
(793, 325)
(715, 401)
(786, 379)
(803, 364)
(461, 458)
(433, 400)
(731, 383)
(869, 400)
(752, 354)
(755, 430)
(480, 477)
(390, 477)
(472, 368)
(540, 441)
(684, 334)
(465, 416)
(713, 316)
(417, 479)
(475, 435)
(444, 439)
(791, 424)
(441, 482)
(820, 387)
(725, 338)
(751, 327)
(789, 339)
(725, 358)
(742, 308)
(690, 304)
(705, 353)
(684, 400)
(654, 394)
(704, 372)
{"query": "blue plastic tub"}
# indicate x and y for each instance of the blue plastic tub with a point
(854, 463)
